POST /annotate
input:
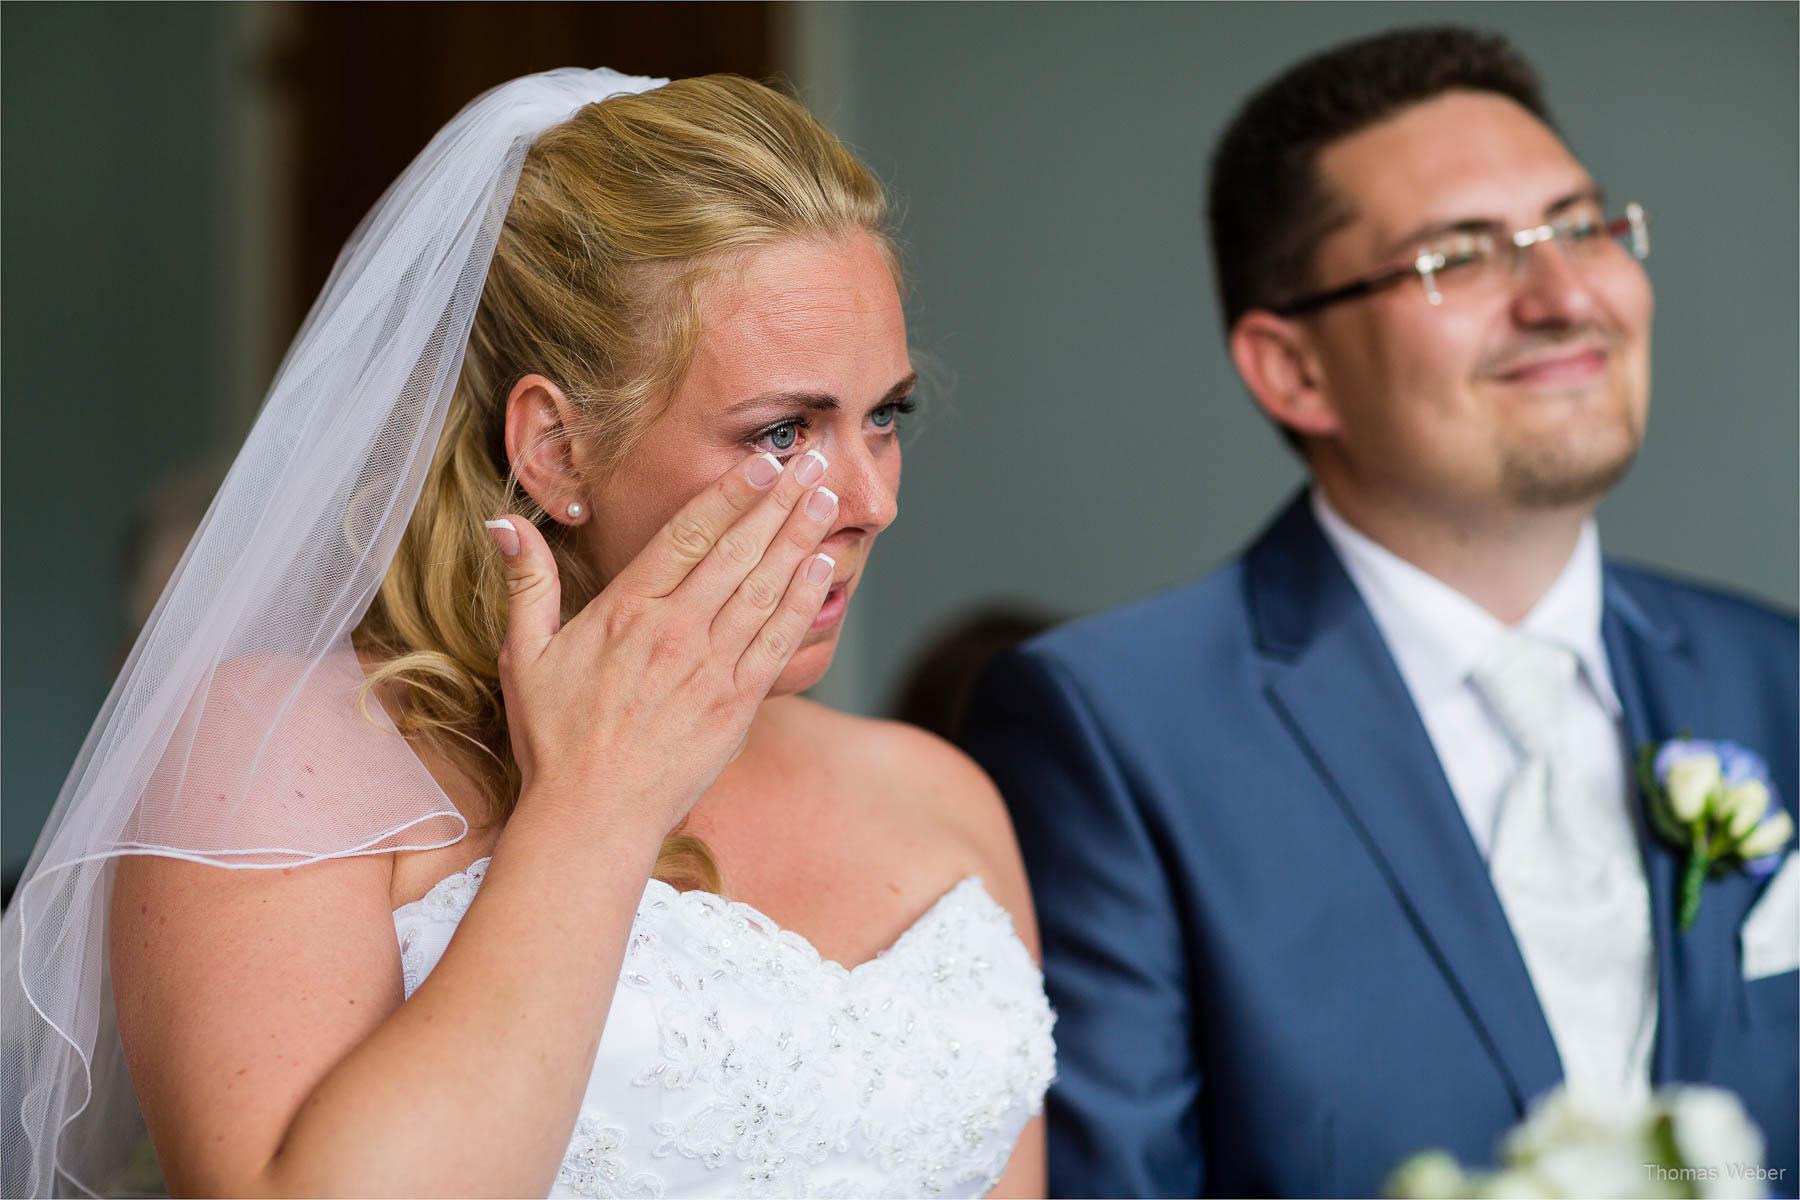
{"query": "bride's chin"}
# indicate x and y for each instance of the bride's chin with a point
(807, 667)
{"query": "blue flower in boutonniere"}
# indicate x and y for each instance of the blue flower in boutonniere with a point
(1717, 801)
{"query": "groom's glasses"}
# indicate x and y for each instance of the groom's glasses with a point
(1479, 258)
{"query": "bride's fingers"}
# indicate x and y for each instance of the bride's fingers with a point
(534, 592)
(691, 534)
(755, 599)
(740, 549)
(774, 644)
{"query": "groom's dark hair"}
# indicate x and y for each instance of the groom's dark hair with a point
(1267, 206)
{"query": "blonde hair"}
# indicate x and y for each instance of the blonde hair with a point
(620, 212)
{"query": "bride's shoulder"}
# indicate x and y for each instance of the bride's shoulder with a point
(904, 768)
(892, 756)
(285, 760)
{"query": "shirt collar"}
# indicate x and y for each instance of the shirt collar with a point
(1437, 634)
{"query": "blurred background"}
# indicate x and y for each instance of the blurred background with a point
(179, 177)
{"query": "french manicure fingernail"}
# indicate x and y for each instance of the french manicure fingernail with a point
(821, 504)
(505, 536)
(764, 470)
(820, 569)
(810, 469)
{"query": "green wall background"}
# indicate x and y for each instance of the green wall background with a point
(111, 151)
(1094, 443)
(1089, 442)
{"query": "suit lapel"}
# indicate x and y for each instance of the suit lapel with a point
(1335, 686)
(1664, 695)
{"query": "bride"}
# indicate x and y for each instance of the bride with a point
(456, 826)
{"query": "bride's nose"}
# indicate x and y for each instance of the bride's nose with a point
(865, 485)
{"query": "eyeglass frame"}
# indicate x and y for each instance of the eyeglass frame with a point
(1426, 264)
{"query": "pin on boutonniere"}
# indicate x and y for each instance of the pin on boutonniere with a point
(1716, 801)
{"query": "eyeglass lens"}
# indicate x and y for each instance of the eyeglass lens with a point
(1475, 261)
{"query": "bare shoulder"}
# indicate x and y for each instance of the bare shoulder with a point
(907, 764)
(904, 767)
(287, 752)
(237, 990)
(241, 981)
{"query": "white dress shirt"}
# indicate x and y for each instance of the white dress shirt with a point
(1436, 635)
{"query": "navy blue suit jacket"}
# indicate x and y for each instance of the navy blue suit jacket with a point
(1277, 960)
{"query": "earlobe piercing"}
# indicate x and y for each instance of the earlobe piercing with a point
(575, 510)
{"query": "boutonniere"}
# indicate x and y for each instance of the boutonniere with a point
(1716, 801)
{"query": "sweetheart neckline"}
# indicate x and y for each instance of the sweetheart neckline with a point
(765, 925)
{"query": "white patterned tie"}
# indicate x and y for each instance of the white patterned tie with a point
(1566, 867)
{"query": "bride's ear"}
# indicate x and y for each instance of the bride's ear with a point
(539, 418)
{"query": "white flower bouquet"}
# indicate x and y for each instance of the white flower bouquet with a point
(1684, 1141)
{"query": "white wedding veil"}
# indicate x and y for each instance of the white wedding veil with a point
(208, 746)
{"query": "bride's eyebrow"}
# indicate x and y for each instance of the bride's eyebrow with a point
(812, 401)
(818, 401)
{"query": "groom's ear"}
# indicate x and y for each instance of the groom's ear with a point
(1276, 360)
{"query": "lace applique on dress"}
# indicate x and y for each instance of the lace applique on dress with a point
(737, 1060)
(594, 1166)
(444, 904)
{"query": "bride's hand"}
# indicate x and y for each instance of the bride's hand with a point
(648, 692)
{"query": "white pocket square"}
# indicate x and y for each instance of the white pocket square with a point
(1770, 936)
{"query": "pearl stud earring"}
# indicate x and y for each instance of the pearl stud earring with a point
(575, 511)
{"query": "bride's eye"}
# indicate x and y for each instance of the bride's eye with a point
(888, 415)
(779, 439)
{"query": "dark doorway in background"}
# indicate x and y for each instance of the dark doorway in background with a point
(370, 84)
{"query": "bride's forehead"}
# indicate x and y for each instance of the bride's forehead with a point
(798, 288)
(803, 310)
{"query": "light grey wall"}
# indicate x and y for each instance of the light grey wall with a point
(1096, 445)
(110, 134)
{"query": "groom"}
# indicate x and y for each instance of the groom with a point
(1338, 851)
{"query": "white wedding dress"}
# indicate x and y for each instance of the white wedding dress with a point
(737, 1061)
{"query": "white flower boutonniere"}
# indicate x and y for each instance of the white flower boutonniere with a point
(1717, 801)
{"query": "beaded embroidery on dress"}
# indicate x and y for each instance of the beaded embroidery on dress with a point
(737, 1061)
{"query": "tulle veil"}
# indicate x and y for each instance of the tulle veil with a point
(206, 747)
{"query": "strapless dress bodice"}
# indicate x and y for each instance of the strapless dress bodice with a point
(738, 1061)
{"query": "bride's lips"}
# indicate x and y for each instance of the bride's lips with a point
(832, 612)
